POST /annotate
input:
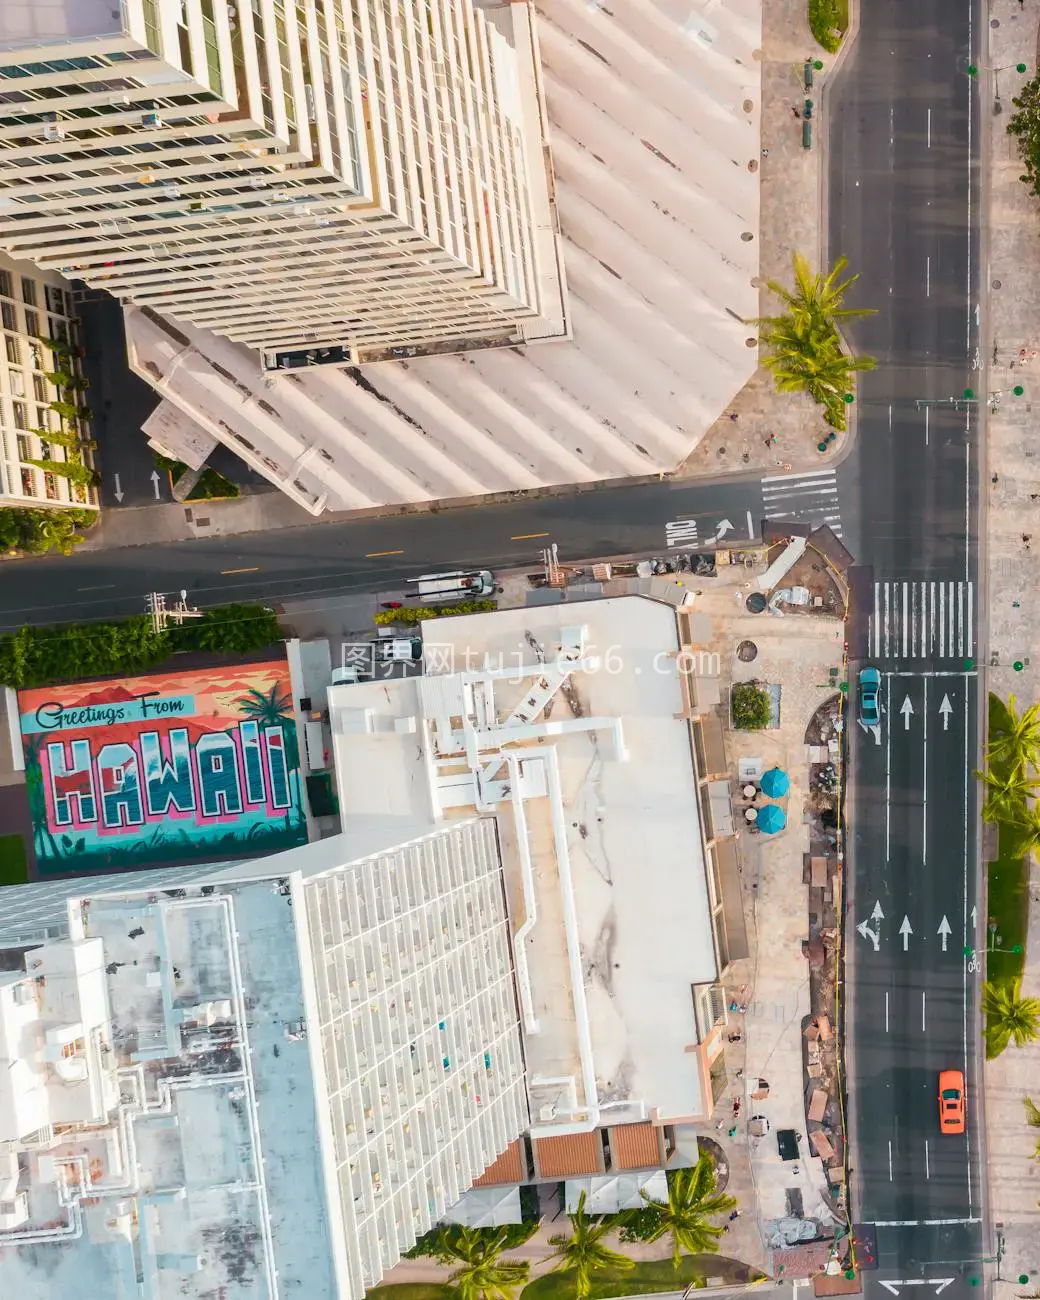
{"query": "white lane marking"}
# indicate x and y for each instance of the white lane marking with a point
(960, 620)
(906, 630)
(797, 478)
(886, 621)
(927, 281)
(888, 769)
(924, 794)
(970, 612)
(924, 1023)
(886, 1011)
(890, 1175)
(929, 128)
(927, 1162)
(942, 620)
(927, 410)
(750, 527)
(877, 620)
(913, 619)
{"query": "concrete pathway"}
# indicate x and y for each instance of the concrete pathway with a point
(1011, 491)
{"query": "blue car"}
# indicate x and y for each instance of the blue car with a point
(870, 697)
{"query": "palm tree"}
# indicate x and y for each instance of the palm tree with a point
(1007, 793)
(805, 351)
(484, 1275)
(1024, 826)
(818, 296)
(1017, 744)
(583, 1251)
(693, 1199)
(1009, 1017)
(1033, 1120)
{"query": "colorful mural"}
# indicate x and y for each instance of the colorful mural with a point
(170, 767)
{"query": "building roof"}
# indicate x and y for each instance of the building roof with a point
(635, 1146)
(655, 137)
(571, 1154)
(510, 1167)
(641, 915)
(38, 22)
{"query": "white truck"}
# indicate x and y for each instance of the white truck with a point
(471, 584)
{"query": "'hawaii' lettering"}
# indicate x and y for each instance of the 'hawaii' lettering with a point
(165, 775)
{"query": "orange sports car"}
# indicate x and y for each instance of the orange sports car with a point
(951, 1101)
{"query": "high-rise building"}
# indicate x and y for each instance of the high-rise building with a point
(263, 1080)
(45, 456)
(323, 181)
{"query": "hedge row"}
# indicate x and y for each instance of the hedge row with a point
(419, 613)
(44, 656)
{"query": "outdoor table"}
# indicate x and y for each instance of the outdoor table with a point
(749, 792)
(751, 814)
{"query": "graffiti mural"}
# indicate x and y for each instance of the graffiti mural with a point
(170, 767)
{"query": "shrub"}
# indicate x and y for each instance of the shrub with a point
(440, 1242)
(211, 485)
(69, 469)
(45, 656)
(419, 613)
(35, 532)
(828, 20)
(640, 1225)
(1025, 127)
(749, 706)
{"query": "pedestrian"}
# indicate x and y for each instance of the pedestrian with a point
(391, 604)
(733, 1131)
(796, 113)
(734, 1215)
(765, 153)
(740, 1073)
(735, 1038)
(769, 439)
(734, 416)
(721, 1124)
(725, 1227)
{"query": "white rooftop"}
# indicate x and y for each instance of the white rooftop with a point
(618, 855)
(654, 112)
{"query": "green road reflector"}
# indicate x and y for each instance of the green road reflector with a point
(968, 952)
(1018, 390)
(969, 664)
(972, 70)
(850, 1275)
(1020, 67)
(848, 399)
(1023, 1278)
(1018, 665)
(821, 446)
(818, 64)
(973, 1281)
(1016, 949)
(843, 688)
(969, 393)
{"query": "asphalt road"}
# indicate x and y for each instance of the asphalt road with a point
(337, 558)
(904, 208)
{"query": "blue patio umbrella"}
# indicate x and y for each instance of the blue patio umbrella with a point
(771, 819)
(775, 783)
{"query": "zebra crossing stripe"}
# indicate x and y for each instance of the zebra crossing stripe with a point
(922, 620)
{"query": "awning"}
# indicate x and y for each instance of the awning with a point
(486, 1207)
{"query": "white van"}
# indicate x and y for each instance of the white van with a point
(471, 584)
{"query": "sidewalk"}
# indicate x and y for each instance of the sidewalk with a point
(1011, 492)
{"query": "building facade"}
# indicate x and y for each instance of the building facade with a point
(333, 182)
(42, 397)
(263, 1081)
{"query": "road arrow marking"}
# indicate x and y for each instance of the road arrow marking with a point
(945, 930)
(155, 483)
(906, 930)
(974, 916)
(868, 933)
(723, 528)
(946, 708)
(906, 709)
(877, 914)
(118, 493)
(940, 1283)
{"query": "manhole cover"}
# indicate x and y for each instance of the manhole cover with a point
(747, 650)
(755, 603)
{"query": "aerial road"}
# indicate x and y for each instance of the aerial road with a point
(904, 208)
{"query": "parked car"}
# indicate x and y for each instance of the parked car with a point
(869, 703)
(951, 1101)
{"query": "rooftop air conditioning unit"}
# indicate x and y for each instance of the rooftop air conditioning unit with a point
(53, 133)
(546, 1114)
(151, 121)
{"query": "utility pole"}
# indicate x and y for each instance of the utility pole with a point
(162, 613)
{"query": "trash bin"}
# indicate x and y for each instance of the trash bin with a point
(806, 135)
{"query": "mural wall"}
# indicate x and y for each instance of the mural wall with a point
(170, 767)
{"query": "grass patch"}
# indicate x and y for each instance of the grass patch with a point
(14, 868)
(212, 486)
(828, 22)
(413, 1291)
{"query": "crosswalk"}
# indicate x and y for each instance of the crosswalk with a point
(806, 498)
(922, 620)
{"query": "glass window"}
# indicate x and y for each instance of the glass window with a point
(6, 287)
(7, 316)
(21, 420)
(39, 388)
(12, 350)
(32, 322)
(28, 290)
